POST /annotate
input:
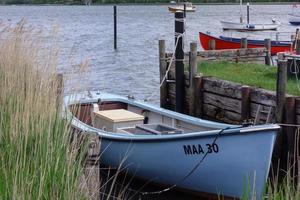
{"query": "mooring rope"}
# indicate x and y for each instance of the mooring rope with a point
(187, 175)
(178, 35)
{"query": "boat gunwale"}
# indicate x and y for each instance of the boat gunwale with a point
(228, 129)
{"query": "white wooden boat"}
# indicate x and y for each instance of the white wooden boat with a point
(247, 26)
(179, 7)
(175, 149)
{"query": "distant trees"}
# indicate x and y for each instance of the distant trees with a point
(87, 2)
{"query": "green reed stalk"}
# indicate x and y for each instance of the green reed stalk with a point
(36, 158)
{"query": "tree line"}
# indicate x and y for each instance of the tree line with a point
(82, 2)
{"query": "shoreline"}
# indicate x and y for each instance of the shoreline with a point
(148, 4)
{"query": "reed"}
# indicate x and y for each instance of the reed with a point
(36, 159)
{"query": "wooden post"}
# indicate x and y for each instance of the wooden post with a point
(290, 118)
(198, 91)
(298, 45)
(281, 89)
(179, 66)
(245, 107)
(162, 73)
(211, 44)
(268, 47)
(192, 74)
(244, 43)
(60, 90)
(115, 27)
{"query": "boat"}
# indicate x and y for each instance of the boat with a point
(179, 7)
(223, 42)
(174, 149)
(294, 19)
(247, 26)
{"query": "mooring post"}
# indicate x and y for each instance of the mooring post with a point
(211, 44)
(297, 44)
(162, 70)
(281, 89)
(290, 118)
(245, 104)
(115, 27)
(268, 56)
(248, 13)
(192, 74)
(198, 92)
(179, 57)
(244, 43)
(60, 90)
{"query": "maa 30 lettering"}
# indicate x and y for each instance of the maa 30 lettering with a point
(198, 149)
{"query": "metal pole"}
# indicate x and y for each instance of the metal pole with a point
(115, 27)
(179, 56)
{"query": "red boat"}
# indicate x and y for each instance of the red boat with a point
(235, 43)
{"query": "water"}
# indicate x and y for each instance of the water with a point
(86, 33)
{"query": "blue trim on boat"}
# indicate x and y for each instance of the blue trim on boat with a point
(295, 23)
(256, 42)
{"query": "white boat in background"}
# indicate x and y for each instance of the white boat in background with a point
(179, 7)
(294, 19)
(247, 26)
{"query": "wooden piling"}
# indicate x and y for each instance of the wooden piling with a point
(290, 118)
(268, 56)
(115, 27)
(245, 101)
(179, 66)
(244, 43)
(297, 43)
(211, 44)
(281, 89)
(198, 91)
(162, 73)
(192, 74)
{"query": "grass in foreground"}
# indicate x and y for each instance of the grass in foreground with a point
(261, 76)
(36, 160)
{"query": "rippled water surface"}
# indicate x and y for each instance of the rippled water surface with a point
(86, 33)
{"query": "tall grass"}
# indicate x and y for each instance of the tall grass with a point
(36, 160)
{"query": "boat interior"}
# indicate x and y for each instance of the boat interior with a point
(120, 117)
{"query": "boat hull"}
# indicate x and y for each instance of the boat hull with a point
(249, 27)
(234, 43)
(242, 159)
(225, 160)
(180, 8)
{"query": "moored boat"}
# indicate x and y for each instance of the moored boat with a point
(294, 19)
(179, 7)
(247, 26)
(175, 149)
(223, 42)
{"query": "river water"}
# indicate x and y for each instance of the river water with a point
(86, 34)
